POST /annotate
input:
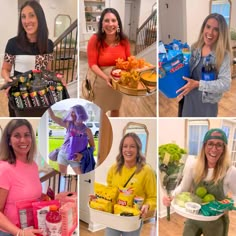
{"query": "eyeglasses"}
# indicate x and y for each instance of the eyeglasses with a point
(218, 146)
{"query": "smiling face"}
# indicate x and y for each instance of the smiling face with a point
(129, 151)
(21, 140)
(211, 32)
(29, 22)
(110, 24)
(214, 149)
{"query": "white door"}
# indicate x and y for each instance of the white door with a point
(127, 23)
(171, 20)
(86, 183)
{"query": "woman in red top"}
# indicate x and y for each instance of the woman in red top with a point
(104, 48)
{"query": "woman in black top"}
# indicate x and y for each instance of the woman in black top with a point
(31, 48)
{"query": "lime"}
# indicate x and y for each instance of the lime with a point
(201, 192)
(209, 198)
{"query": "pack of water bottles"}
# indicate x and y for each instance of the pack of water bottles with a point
(32, 92)
(173, 65)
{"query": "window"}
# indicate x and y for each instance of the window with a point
(222, 7)
(196, 132)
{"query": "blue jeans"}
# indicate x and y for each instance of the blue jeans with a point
(114, 232)
(5, 233)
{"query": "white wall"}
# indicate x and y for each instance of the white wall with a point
(186, 19)
(9, 16)
(54, 7)
(196, 12)
(145, 10)
(117, 127)
(8, 22)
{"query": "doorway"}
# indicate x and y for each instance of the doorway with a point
(131, 18)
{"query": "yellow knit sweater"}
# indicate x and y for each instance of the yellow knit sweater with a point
(144, 183)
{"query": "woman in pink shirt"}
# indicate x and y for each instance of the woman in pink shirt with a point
(104, 48)
(19, 178)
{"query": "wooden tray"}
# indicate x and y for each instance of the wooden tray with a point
(141, 90)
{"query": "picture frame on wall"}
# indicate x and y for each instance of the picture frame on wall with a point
(89, 28)
(98, 18)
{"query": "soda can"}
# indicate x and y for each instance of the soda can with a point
(52, 94)
(18, 100)
(35, 99)
(43, 97)
(26, 99)
(138, 202)
(59, 92)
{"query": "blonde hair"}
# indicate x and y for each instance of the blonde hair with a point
(140, 159)
(222, 45)
(6, 150)
(220, 169)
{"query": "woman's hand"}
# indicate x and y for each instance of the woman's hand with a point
(108, 80)
(92, 197)
(191, 84)
(79, 156)
(144, 210)
(30, 232)
(7, 91)
(167, 200)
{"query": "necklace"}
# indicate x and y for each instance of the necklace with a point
(112, 44)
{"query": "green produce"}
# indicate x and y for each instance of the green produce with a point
(201, 192)
(182, 198)
(173, 149)
(208, 198)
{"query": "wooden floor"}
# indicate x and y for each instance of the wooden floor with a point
(174, 227)
(227, 108)
(148, 229)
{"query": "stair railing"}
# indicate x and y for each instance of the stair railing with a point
(147, 32)
(65, 53)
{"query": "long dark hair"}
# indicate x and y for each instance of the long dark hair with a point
(222, 44)
(101, 35)
(140, 159)
(6, 150)
(42, 32)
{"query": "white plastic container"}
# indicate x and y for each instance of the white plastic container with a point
(122, 223)
(192, 207)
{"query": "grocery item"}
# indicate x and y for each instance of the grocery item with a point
(68, 212)
(53, 221)
(192, 207)
(40, 210)
(125, 211)
(217, 207)
(181, 198)
(208, 198)
(126, 197)
(138, 202)
(106, 192)
(25, 213)
(101, 205)
(201, 191)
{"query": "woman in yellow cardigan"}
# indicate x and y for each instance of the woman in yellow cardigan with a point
(131, 170)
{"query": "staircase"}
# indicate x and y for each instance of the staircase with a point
(66, 57)
(146, 38)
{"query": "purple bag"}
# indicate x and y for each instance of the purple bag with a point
(53, 154)
(77, 144)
